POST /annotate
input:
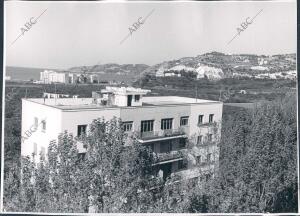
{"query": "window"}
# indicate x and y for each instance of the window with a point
(208, 158)
(36, 122)
(34, 149)
(184, 120)
(182, 164)
(209, 137)
(136, 98)
(127, 126)
(166, 124)
(194, 182)
(200, 119)
(44, 125)
(151, 146)
(182, 143)
(165, 146)
(208, 176)
(129, 100)
(199, 139)
(147, 126)
(198, 159)
(81, 156)
(81, 130)
(211, 118)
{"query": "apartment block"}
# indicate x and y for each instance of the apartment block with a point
(49, 76)
(182, 132)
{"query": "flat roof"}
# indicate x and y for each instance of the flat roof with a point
(87, 103)
(163, 100)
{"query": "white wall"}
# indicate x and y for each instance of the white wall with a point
(71, 118)
(137, 114)
(121, 100)
(57, 121)
(52, 116)
(204, 109)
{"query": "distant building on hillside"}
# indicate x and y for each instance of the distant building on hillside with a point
(262, 61)
(172, 74)
(159, 72)
(260, 68)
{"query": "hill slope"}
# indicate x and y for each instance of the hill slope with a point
(217, 65)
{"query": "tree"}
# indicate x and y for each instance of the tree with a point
(257, 162)
(112, 176)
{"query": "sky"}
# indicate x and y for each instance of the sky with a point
(70, 34)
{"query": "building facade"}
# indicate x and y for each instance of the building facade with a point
(171, 126)
(49, 76)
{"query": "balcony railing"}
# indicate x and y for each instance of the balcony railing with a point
(160, 134)
(206, 124)
(206, 163)
(207, 143)
(166, 156)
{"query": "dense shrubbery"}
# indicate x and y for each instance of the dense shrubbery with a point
(258, 162)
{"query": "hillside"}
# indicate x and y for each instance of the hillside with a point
(217, 65)
(125, 69)
(213, 66)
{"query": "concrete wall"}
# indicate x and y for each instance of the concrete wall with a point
(51, 115)
(71, 118)
(121, 100)
(204, 109)
(57, 121)
(156, 113)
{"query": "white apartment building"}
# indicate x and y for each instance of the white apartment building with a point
(165, 123)
(49, 76)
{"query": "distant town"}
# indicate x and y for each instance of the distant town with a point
(213, 66)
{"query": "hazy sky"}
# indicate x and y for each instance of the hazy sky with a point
(86, 33)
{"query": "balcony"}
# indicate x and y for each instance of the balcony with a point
(185, 129)
(206, 124)
(207, 143)
(161, 135)
(168, 157)
(206, 163)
